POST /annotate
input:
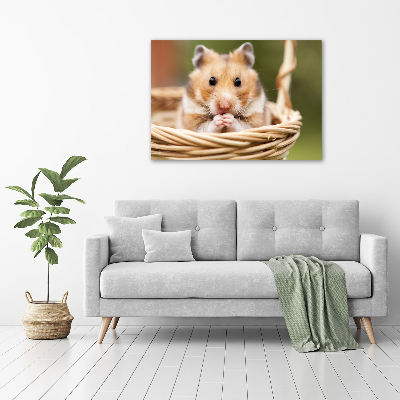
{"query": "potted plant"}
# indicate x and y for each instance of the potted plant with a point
(47, 319)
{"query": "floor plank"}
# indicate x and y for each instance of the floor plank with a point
(162, 384)
(305, 381)
(258, 377)
(164, 380)
(258, 380)
(85, 354)
(392, 374)
(235, 374)
(212, 372)
(217, 337)
(91, 383)
(373, 351)
(177, 348)
(351, 378)
(25, 361)
(132, 330)
(11, 342)
(270, 337)
(35, 380)
(16, 352)
(188, 378)
(331, 384)
(122, 372)
(235, 357)
(213, 365)
(391, 332)
(282, 383)
(375, 379)
(385, 343)
(140, 381)
(4, 327)
(9, 332)
(362, 396)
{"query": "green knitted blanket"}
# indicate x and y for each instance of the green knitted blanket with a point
(313, 297)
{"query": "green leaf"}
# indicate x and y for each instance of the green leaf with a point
(20, 190)
(27, 202)
(39, 243)
(63, 220)
(65, 184)
(26, 222)
(66, 197)
(55, 241)
(48, 228)
(51, 256)
(37, 253)
(57, 210)
(51, 199)
(33, 233)
(34, 184)
(58, 183)
(32, 213)
(53, 177)
(71, 163)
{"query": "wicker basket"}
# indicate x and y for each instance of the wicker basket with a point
(47, 320)
(270, 142)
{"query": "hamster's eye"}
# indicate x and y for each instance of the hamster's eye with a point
(212, 81)
(237, 82)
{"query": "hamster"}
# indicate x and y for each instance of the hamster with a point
(224, 93)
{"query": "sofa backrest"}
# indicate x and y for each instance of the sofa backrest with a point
(213, 223)
(328, 230)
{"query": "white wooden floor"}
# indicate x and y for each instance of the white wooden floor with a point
(188, 363)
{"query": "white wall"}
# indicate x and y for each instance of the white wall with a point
(75, 80)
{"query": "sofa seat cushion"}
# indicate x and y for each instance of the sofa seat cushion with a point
(209, 279)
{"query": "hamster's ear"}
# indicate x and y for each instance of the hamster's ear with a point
(198, 58)
(247, 50)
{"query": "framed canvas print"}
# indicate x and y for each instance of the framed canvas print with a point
(236, 99)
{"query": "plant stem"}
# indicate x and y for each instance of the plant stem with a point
(48, 282)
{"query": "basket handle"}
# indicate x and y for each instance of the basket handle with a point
(64, 299)
(284, 77)
(28, 297)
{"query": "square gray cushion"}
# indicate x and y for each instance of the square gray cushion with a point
(212, 222)
(167, 246)
(210, 280)
(126, 236)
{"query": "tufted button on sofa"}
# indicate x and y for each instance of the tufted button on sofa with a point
(229, 241)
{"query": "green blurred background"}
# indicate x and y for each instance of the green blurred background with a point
(306, 90)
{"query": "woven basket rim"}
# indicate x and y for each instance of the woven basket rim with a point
(265, 142)
(295, 119)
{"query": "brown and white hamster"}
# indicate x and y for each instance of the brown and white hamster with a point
(224, 93)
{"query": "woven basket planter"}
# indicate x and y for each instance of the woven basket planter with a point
(270, 142)
(47, 320)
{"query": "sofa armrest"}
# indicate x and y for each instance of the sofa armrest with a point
(373, 255)
(96, 257)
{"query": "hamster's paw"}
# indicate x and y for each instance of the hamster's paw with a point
(219, 121)
(228, 119)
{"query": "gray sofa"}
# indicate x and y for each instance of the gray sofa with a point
(229, 241)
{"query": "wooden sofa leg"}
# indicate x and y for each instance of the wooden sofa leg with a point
(105, 322)
(114, 322)
(357, 322)
(368, 328)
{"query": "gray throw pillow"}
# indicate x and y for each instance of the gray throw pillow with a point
(167, 246)
(126, 236)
